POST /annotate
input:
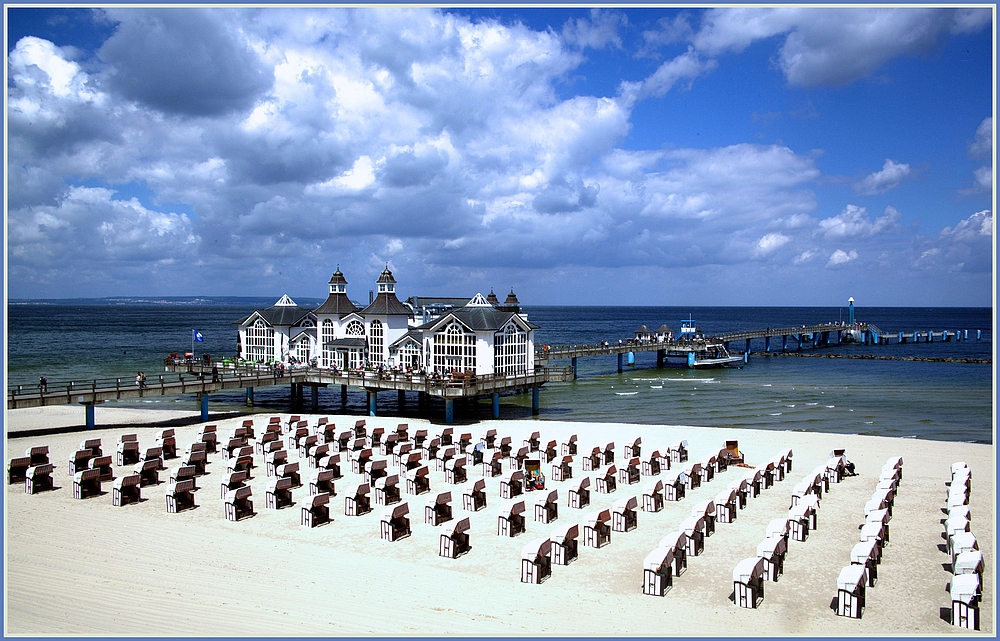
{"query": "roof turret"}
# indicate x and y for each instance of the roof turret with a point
(492, 298)
(337, 303)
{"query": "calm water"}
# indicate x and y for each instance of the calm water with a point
(945, 401)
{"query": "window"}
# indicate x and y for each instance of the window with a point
(260, 342)
(376, 343)
(408, 355)
(356, 329)
(510, 351)
(454, 348)
(302, 350)
(326, 336)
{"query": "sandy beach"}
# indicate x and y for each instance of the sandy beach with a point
(87, 567)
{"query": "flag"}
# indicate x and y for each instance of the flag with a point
(196, 336)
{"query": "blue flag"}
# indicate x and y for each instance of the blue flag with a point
(196, 336)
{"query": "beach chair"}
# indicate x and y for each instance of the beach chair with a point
(547, 506)
(872, 531)
(533, 442)
(38, 478)
(321, 423)
(633, 450)
(387, 490)
(569, 447)
(438, 509)
(180, 496)
(799, 519)
(182, 473)
(148, 471)
(624, 517)
(505, 446)
(431, 448)
(356, 500)
(267, 438)
(197, 446)
(657, 571)
(401, 452)
(126, 490)
(851, 591)
(835, 468)
(608, 455)
(895, 462)
(278, 493)
(104, 466)
(960, 543)
(316, 510)
(330, 462)
(327, 434)
(579, 493)
(307, 443)
(966, 593)
(867, 554)
(652, 496)
(359, 459)
(512, 484)
(748, 582)
(800, 489)
(597, 529)
(315, 453)
(675, 485)
(411, 462)
(321, 481)
(489, 439)
(564, 544)
(755, 482)
(492, 466)
(238, 503)
(679, 452)
(722, 461)
(772, 550)
(197, 460)
(17, 468)
(419, 438)
(733, 454)
(510, 520)
(343, 441)
(166, 440)
(651, 466)
(694, 528)
(970, 562)
(629, 474)
(593, 461)
(274, 460)
(474, 496)
(38, 455)
(453, 541)
(549, 452)
(128, 450)
(360, 429)
(516, 460)
(444, 455)
(741, 487)
(418, 481)
(374, 470)
(707, 469)
(239, 433)
(725, 506)
(769, 474)
(606, 482)
(563, 471)
(240, 464)
(274, 420)
(394, 524)
(677, 541)
(778, 527)
(92, 444)
(388, 444)
(536, 566)
(232, 447)
(820, 480)
(208, 435)
(79, 461)
(289, 471)
(454, 471)
(374, 437)
(693, 480)
(706, 511)
(662, 458)
(447, 435)
(232, 481)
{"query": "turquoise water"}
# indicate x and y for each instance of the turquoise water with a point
(934, 400)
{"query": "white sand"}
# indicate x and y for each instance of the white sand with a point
(86, 567)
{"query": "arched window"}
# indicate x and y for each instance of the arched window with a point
(376, 343)
(307, 323)
(454, 348)
(510, 350)
(260, 342)
(355, 328)
(326, 337)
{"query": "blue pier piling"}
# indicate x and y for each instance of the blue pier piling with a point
(401, 398)
(979, 334)
(620, 363)
(449, 411)
(631, 358)
(930, 336)
(343, 395)
(534, 400)
(314, 400)
(900, 339)
(496, 405)
(965, 334)
(767, 344)
(250, 396)
(574, 368)
(748, 346)
(784, 342)
(91, 421)
(691, 360)
(372, 396)
(661, 357)
(204, 407)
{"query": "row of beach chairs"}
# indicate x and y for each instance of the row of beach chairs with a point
(966, 558)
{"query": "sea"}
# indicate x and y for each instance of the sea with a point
(904, 390)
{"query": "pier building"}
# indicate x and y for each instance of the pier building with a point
(478, 335)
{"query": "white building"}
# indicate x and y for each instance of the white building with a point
(478, 335)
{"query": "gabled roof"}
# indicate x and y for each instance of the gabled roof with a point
(479, 319)
(280, 315)
(386, 304)
(337, 305)
(352, 343)
(663, 329)
(299, 333)
(410, 336)
(642, 330)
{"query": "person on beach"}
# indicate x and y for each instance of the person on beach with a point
(215, 373)
(43, 384)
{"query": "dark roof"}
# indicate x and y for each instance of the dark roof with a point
(492, 298)
(511, 299)
(386, 304)
(479, 319)
(338, 278)
(664, 329)
(643, 330)
(386, 276)
(337, 304)
(346, 342)
(413, 335)
(283, 315)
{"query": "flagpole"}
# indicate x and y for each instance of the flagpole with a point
(192, 344)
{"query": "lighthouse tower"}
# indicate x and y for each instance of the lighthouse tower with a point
(850, 310)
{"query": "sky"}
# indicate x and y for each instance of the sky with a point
(646, 156)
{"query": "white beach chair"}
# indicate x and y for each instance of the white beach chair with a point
(705, 510)
(741, 487)
(694, 528)
(778, 527)
(597, 529)
(394, 524)
(624, 517)
(677, 541)
(748, 582)
(773, 551)
(966, 592)
(536, 566)
(564, 544)
(674, 485)
(652, 496)
(725, 506)
(868, 554)
(657, 570)
(851, 591)
(453, 540)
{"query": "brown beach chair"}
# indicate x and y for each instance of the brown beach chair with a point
(565, 544)
(536, 566)
(375, 470)
(633, 450)
(274, 460)
(651, 466)
(563, 471)
(652, 496)
(547, 506)
(233, 481)
(38, 455)
(278, 493)
(493, 466)
(624, 517)
(38, 478)
(579, 493)
(454, 471)
(321, 481)
(454, 539)
(126, 490)
(597, 529)
(180, 496)
(510, 521)
(606, 481)
(128, 449)
(316, 510)
(92, 444)
(474, 496)
(569, 447)
(532, 442)
(357, 501)
(104, 466)
(197, 460)
(210, 437)
(79, 461)
(657, 569)
(148, 471)
(387, 490)
(239, 503)
(512, 484)
(438, 509)
(629, 474)
(289, 471)
(394, 525)
(748, 582)
(332, 463)
(17, 468)
(166, 440)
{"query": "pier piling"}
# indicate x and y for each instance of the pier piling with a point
(449, 411)
(372, 396)
(534, 400)
(91, 421)
(203, 400)
(250, 396)
(496, 405)
(620, 370)
(315, 398)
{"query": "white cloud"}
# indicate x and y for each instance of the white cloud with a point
(686, 66)
(982, 145)
(879, 182)
(769, 243)
(854, 222)
(965, 247)
(840, 257)
(984, 179)
(597, 31)
(805, 257)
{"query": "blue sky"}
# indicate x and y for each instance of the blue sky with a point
(739, 156)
